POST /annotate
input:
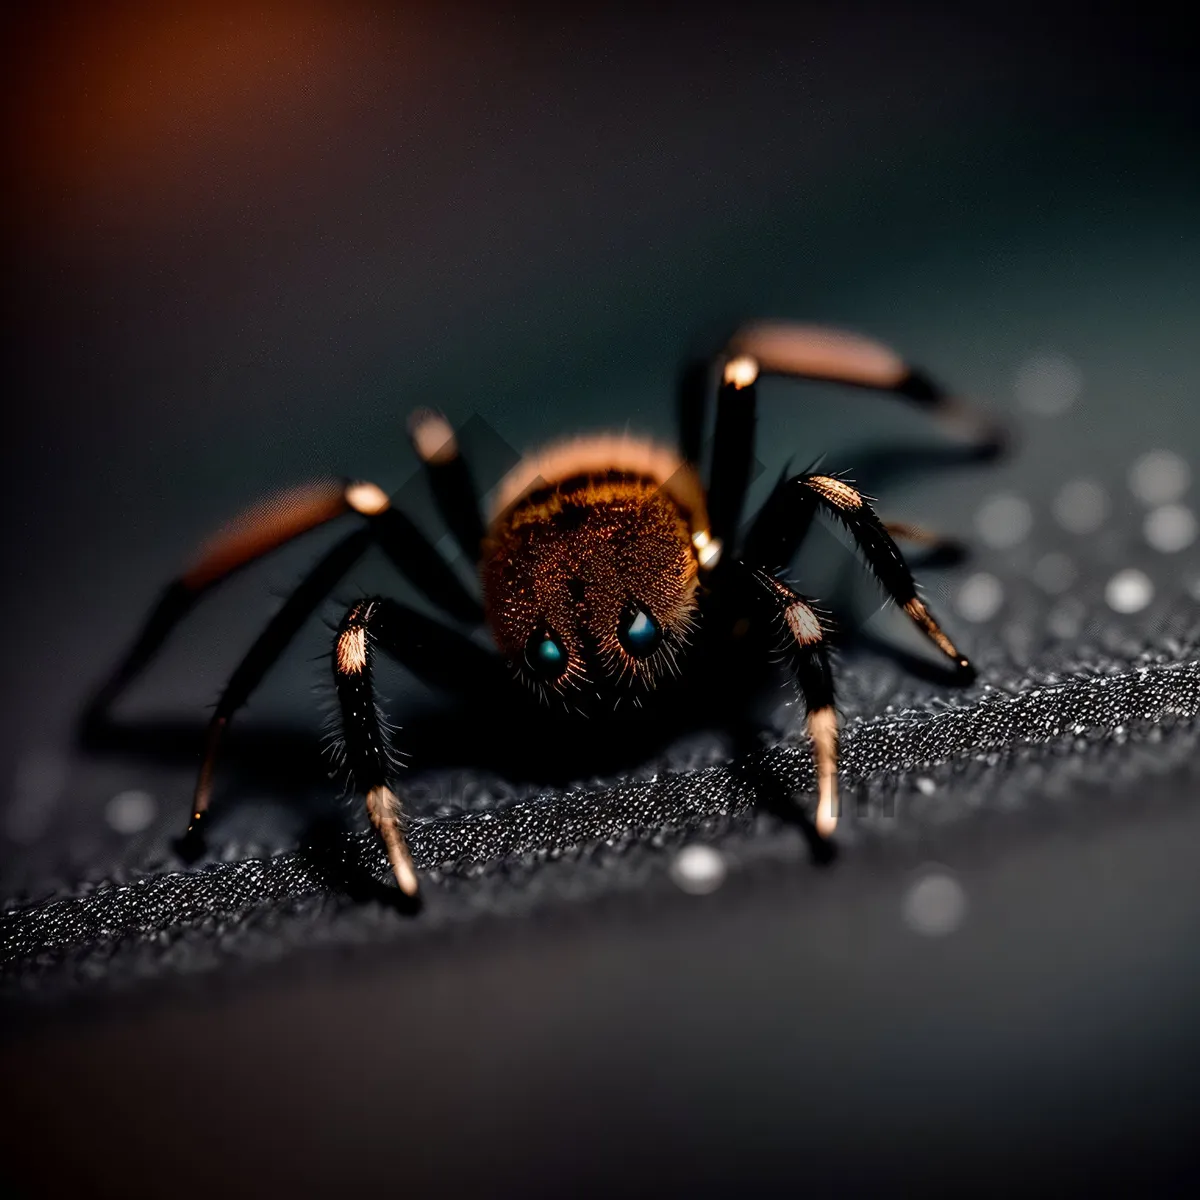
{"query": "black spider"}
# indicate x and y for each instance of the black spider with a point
(602, 557)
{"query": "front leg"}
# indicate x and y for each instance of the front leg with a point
(807, 654)
(772, 541)
(367, 737)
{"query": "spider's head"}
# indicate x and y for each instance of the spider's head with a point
(590, 583)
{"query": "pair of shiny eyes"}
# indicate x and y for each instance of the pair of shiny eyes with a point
(639, 634)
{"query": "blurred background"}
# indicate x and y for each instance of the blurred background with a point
(245, 240)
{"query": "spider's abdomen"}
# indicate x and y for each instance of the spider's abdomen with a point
(590, 565)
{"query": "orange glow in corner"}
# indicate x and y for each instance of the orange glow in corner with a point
(143, 113)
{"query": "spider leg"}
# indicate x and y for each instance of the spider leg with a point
(801, 351)
(450, 479)
(778, 529)
(267, 648)
(733, 450)
(807, 654)
(397, 536)
(255, 534)
(417, 559)
(251, 536)
(939, 548)
(781, 525)
(425, 647)
(804, 352)
(796, 500)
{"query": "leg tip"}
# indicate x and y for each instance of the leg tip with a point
(822, 847)
(823, 850)
(825, 823)
(406, 880)
(405, 897)
(401, 861)
(191, 845)
(384, 810)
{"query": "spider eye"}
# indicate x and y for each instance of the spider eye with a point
(639, 633)
(545, 655)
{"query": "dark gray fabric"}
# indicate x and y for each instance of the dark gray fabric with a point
(1113, 722)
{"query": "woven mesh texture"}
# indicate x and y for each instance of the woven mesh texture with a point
(1108, 725)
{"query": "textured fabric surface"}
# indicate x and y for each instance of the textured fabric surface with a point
(1111, 723)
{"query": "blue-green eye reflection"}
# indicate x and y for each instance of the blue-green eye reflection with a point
(545, 655)
(640, 633)
(550, 654)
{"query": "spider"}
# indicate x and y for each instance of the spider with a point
(602, 559)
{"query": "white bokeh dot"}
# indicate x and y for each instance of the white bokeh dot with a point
(1004, 520)
(1129, 591)
(935, 904)
(1048, 383)
(1080, 506)
(130, 812)
(1054, 573)
(698, 869)
(1066, 619)
(980, 597)
(1170, 528)
(1159, 476)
